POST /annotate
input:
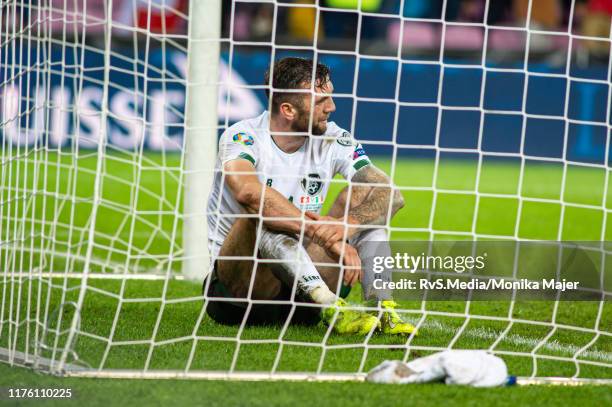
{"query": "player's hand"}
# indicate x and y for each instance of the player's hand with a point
(326, 234)
(350, 260)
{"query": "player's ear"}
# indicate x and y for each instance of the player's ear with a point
(288, 111)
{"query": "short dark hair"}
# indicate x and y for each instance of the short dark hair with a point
(293, 73)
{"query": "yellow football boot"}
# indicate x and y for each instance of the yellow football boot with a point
(392, 323)
(349, 321)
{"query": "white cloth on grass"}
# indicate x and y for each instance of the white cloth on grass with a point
(475, 368)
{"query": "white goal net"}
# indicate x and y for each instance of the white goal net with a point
(493, 123)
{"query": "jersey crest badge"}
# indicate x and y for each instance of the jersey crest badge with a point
(312, 184)
(243, 138)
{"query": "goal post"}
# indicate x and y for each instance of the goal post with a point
(110, 112)
(200, 132)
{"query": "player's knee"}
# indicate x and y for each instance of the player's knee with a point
(241, 236)
(249, 223)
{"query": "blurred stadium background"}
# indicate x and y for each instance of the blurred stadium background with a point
(247, 51)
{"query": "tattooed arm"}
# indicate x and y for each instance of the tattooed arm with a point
(369, 194)
(369, 204)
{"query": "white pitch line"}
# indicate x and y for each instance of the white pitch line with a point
(517, 340)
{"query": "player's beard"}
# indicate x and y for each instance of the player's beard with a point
(302, 122)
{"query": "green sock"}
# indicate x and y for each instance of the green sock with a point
(345, 290)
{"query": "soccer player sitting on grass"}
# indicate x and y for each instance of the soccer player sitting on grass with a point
(266, 236)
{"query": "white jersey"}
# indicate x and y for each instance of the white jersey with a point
(303, 177)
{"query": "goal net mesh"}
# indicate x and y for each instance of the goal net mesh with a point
(490, 130)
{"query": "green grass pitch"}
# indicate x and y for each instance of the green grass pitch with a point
(132, 324)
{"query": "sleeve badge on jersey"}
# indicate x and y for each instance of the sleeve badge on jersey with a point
(243, 138)
(359, 151)
(345, 139)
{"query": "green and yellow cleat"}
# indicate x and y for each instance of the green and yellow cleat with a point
(392, 323)
(349, 321)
